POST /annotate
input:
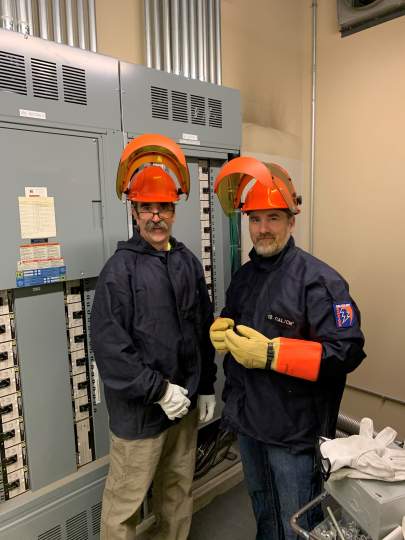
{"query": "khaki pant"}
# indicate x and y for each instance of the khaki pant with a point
(169, 461)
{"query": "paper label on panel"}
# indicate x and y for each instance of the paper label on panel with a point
(40, 251)
(37, 217)
(32, 114)
(188, 141)
(189, 136)
(36, 191)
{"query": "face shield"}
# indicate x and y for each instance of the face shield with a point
(235, 179)
(152, 149)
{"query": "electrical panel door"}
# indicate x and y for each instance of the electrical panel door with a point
(68, 167)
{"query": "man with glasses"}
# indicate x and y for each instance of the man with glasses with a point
(150, 334)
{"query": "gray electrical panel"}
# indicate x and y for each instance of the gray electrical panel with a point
(65, 116)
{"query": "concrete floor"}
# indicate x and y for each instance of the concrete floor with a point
(228, 517)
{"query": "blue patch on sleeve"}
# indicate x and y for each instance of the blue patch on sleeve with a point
(344, 315)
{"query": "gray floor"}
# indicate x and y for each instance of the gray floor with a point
(228, 517)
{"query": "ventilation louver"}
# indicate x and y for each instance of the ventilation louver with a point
(76, 527)
(215, 112)
(74, 85)
(96, 518)
(197, 110)
(12, 73)
(44, 79)
(160, 102)
(52, 534)
(179, 107)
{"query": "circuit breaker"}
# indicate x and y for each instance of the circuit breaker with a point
(80, 376)
(206, 223)
(13, 455)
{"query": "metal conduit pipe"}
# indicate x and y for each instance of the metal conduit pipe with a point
(167, 53)
(22, 18)
(148, 34)
(18, 15)
(218, 50)
(193, 40)
(348, 425)
(7, 15)
(69, 23)
(340, 434)
(200, 39)
(57, 28)
(313, 118)
(80, 24)
(175, 36)
(92, 26)
(184, 39)
(211, 40)
(156, 35)
(29, 18)
(43, 19)
(205, 41)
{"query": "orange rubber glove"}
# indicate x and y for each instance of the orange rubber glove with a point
(295, 357)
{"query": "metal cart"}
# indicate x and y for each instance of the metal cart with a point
(355, 510)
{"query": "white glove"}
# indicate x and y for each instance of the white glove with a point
(206, 407)
(174, 402)
(366, 456)
(391, 468)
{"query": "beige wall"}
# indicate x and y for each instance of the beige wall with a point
(360, 193)
(120, 29)
(263, 57)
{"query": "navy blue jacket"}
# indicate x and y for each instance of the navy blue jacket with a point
(150, 324)
(293, 295)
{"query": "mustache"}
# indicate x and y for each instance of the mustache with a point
(150, 226)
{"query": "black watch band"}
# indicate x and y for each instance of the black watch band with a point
(270, 356)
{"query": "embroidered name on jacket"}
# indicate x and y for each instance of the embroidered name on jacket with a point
(283, 321)
(344, 315)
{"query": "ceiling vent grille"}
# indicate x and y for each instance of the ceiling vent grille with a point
(74, 85)
(96, 518)
(12, 73)
(198, 110)
(44, 79)
(76, 527)
(179, 106)
(215, 113)
(160, 102)
(52, 534)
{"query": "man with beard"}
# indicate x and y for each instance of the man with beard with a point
(150, 334)
(291, 332)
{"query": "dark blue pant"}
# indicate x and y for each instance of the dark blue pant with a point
(279, 484)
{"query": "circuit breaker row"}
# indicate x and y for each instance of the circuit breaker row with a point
(79, 371)
(205, 220)
(13, 458)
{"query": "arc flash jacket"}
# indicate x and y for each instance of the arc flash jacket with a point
(150, 324)
(293, 295)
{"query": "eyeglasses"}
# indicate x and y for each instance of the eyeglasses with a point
(166, 212)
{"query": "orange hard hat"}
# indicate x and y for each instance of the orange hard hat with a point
(273, 187)
(152, 149)
(152, 184)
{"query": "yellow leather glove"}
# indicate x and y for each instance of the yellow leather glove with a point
(249, 349)
(217, 333)
(295, 357)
